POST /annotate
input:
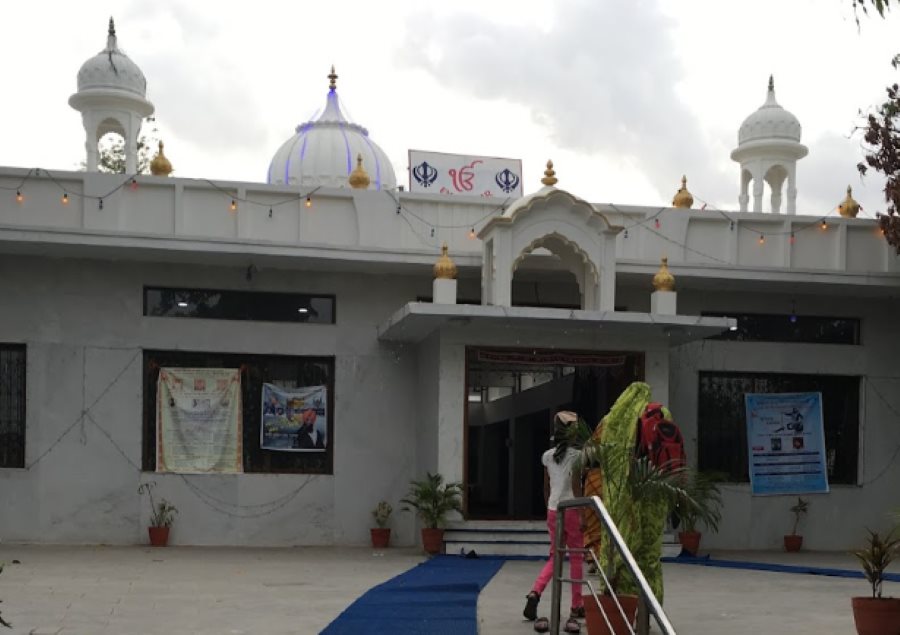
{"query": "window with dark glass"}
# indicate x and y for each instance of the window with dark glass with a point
(261, 306)
(12, 405)
(282, 370)
(722, 422)
(763, 327)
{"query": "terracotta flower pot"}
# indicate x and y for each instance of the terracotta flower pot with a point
(793, 542)
(159, 536)
(876, 616)
(690, 540)
(432, 540)
(596, 625)
(381, 537)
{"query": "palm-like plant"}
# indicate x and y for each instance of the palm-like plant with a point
(876, 556)
(432, 499)
(646, 495)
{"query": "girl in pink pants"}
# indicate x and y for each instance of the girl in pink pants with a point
(561, 482)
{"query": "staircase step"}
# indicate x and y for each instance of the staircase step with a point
(497, 548)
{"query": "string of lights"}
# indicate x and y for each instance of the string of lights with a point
(235, 200)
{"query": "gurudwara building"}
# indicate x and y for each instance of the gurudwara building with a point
(278, 357)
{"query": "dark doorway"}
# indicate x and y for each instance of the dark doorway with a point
(512, 395)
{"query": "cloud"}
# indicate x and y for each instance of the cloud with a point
(601, 79)
(192, 85)
(823, 177)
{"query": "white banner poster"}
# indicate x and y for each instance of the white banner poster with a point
(441, 173)
(198, 420)
(294, 419)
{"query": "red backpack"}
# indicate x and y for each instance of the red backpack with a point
(660, 439)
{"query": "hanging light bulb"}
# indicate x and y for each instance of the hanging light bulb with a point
(270, 212)
(762, 239)
(133, 185)
(65, 198)
(100, 204)
(308, 201)
(793, 239)
(824, 224)
(19, 196)
(472, 234)
(233, 205)
(656, 222)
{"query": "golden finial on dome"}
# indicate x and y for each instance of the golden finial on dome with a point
(332, 79)
(664, 280)
(444, 268)
(849, 208)
(549, 175)
(359, 178)
(160, 165)
(683, 198)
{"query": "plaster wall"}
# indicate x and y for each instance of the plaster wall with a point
(84, 329)
(836, 520)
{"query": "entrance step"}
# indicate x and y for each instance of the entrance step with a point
(515, 538)
(498, 538)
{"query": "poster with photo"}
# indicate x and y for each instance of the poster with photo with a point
(198, 420)
(786, 443)
(294, 419)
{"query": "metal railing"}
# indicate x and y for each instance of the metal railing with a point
(647, 606)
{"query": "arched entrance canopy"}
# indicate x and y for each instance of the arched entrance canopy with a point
(582, 238)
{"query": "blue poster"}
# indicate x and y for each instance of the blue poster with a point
(786, 443)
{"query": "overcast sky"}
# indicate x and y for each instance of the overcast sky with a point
(624, 96)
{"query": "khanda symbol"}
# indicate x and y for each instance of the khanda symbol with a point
(425, 174)
(507, 180)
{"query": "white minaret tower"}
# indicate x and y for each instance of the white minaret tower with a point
(768, 149)
(111, 97)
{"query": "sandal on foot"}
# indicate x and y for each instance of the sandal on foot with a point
(572, 626)
(577, 612)
(542, 625)
(531, 604)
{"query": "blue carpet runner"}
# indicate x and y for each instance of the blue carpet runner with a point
(435, 597)
(706, 561)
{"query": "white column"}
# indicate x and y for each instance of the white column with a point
(792, 189)
(758, 185)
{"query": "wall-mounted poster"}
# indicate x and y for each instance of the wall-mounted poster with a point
(294, 419)
(198, 420)
(786, 441)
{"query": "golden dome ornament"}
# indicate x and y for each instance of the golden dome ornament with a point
(332, 79)
(160, 165)
(664, 280)
(549, 175)
(445, 268)
(359, 178)
(849, 208)
(683, 199)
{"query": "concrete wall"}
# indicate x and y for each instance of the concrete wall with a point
(836, 520)
(83, 325)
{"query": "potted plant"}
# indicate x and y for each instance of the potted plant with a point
(381, 535)
(701, 507)
(877, 615)
(793, 541)
(162, 515)
(432, 499)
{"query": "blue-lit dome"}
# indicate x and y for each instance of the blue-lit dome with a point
(323, 152)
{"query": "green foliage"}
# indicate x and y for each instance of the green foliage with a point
(112, 155)
(432, 499)
(798, 510)
(382, 514)
(876, 556)
(863, 5)
(162, 514)
(702, 503)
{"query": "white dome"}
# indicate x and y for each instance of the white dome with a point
(770, 121)
(323, 152)
(112, 69)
